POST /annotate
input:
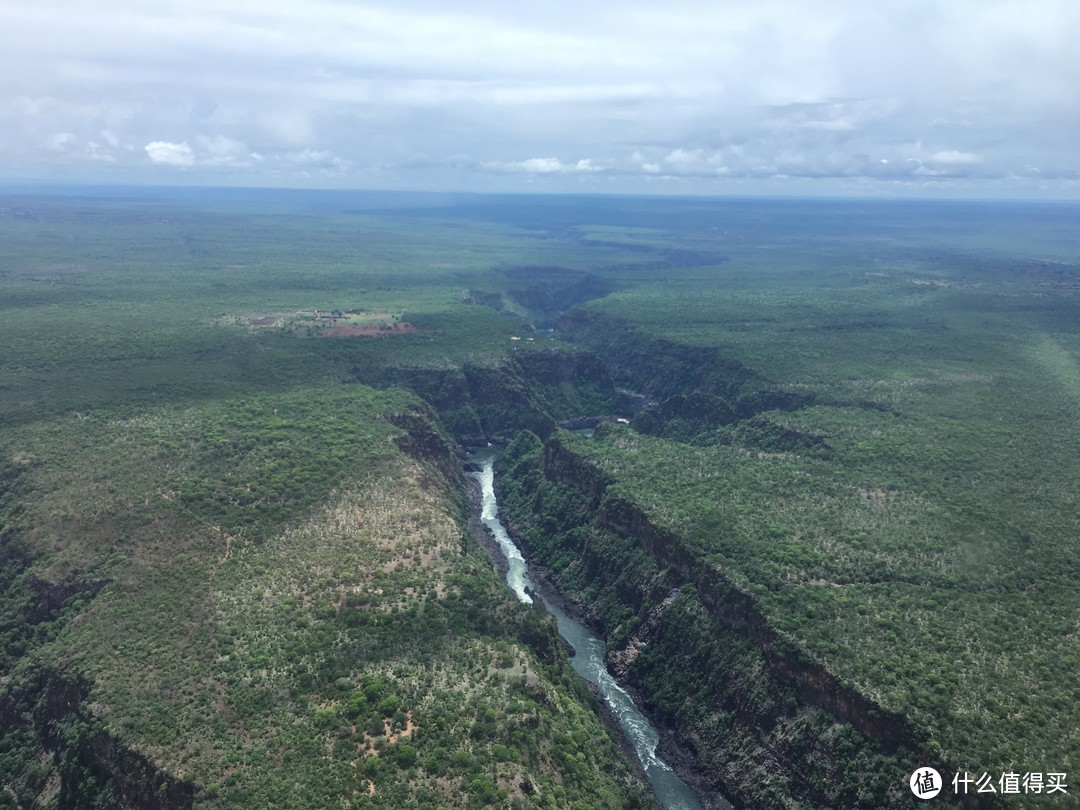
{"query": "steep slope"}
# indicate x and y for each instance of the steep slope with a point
(264, 603)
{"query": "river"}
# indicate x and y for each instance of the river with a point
(588, 661)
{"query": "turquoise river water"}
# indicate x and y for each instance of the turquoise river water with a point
(588, 661)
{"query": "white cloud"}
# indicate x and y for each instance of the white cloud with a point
(684, 157)
(315, 157)
(164, 153)
(60, 141)
(217, 151)
(95, 151)
(955, 157)
(539, 166)
(544, 165)
(312, 163)
(697, 90)
(220, 150)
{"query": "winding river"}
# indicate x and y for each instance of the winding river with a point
(670, 790)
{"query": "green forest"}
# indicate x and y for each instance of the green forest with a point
(825, 512)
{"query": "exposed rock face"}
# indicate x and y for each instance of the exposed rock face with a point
(51, 596)
(530, 390)
(423, 441)
(79, 764)
(89, 768)
(663, 368)
(727, 603)
(75, 762)
(747, 714)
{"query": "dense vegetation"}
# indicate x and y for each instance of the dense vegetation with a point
(913, 520)
(239, 551)
(879, 448)
(224, 555)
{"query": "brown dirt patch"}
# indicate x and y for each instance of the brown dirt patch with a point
(367, 747)
(406, 732)
(371, 330)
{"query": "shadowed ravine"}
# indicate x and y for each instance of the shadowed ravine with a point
(588, 660)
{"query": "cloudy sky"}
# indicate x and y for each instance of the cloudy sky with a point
(889, 97)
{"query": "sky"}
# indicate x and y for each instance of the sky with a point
(970, 98)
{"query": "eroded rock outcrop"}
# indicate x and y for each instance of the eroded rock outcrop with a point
(748, 713)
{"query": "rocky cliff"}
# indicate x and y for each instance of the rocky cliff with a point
(77, 763)
(749, 715)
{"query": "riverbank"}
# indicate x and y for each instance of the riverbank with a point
(543, 588)
(674, 746)
(618, 708)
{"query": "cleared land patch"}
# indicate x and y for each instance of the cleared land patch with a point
(332, 323)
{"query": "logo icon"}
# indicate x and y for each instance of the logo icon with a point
(925, 783)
